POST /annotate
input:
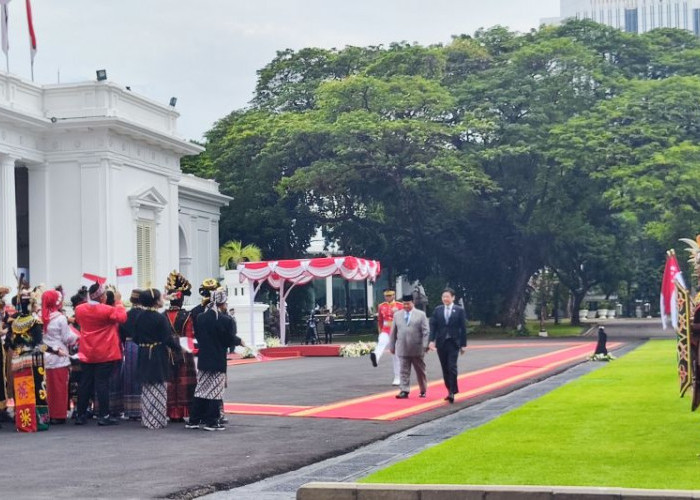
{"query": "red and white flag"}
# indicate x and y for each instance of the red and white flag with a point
(4, 26)
(125, 276)
(32, 35)
(669, 295)
(90, 279)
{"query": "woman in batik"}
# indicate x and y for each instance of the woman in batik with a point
(29, 375)
(184, 377)
(59, 337)
(157, 347)
(131, 386)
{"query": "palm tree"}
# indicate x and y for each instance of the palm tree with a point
(233, 252)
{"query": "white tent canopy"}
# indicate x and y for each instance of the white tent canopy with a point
(286, 274)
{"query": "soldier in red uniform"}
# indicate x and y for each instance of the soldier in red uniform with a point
(385, 318)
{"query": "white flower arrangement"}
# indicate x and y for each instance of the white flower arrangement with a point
(357, 349)
(244, 352)
(272, 342)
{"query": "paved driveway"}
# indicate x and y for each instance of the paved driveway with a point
(129, 461)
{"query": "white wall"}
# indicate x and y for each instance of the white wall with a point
(99, 159)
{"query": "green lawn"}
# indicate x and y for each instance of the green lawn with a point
(621, 426)
(563, 329)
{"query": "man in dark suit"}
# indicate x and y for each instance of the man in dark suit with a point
(448, 332)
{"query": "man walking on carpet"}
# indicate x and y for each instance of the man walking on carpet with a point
(409, 342)
(448, 331)
(385, 317)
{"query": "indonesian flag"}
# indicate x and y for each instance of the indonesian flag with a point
(90, 279)
(3, 24)
(32, 35)
(125, 276)
(669, 296)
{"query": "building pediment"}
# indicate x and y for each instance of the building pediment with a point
(147, 201)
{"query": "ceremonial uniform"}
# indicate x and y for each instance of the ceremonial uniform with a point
(184, 380)
(31, 404)
(385, 318)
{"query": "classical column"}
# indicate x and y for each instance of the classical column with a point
(329, 293)
(8, 223)
(41, 240)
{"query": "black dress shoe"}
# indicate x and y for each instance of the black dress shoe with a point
(450, 397)
(402, 395)
(421, 395)
(106, 421)
(80, 420)
(373, 359)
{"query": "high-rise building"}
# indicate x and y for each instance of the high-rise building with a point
(634, 16)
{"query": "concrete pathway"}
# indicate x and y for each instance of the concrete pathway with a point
(129, 461)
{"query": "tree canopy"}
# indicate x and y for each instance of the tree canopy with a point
(477, 162)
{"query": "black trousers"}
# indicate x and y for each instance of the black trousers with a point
(94, 379)
(205, 411)
(448, 353)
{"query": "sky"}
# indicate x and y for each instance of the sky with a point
(206, 52)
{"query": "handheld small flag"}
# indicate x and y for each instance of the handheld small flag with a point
(90, 279)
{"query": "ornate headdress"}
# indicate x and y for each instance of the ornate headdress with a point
(217, 298)
(208, 286)
(694, 251)
(177, 286)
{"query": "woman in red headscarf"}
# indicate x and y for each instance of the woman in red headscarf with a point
(59, 337)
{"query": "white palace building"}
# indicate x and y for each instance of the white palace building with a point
(90, 181)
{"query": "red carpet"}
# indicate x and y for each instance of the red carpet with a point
(302, 350)
(261, 409)
(385, 407)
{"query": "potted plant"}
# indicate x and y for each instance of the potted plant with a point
(583, 311)
(603, 309)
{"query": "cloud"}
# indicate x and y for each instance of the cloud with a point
(207, 52)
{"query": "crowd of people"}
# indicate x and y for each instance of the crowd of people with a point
(108, 364)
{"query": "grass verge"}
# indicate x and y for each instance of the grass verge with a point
(621, 426)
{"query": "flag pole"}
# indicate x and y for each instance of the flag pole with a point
(4, 29)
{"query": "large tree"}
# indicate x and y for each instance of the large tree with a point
(476, 163)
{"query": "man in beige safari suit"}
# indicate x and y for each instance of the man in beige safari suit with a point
(410, 332)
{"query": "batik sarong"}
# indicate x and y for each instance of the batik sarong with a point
(31, 405)
(210, 385)
(154, 399)
(181, 388)
(131, 386)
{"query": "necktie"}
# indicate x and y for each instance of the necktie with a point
(447, 314)
(407, 316)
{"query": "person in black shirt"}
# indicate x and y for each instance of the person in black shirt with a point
(215, 335)
(131, 386)
(156, 346)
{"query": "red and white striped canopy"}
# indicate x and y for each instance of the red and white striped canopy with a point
(301, 271)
